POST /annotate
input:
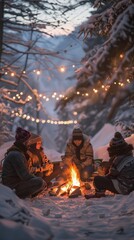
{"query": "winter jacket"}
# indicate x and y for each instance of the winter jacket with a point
(121, 173)
(15, 168)
(85, 155)
(37, 158)
(38, 162)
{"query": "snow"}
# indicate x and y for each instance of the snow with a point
(60, 218)
(103, 136)
(101, 152)
(101, 141)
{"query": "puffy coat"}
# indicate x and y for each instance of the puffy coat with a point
(15, 168)
(85, 154)
(37, 158)
(121, 173)
(38, 162)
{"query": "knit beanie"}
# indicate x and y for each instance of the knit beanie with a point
(118, 146)
(22, 135)
(77, 134)
(34, 138)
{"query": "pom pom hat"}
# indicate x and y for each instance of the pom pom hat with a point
(22, 135)
(77, 134)
(118, 146)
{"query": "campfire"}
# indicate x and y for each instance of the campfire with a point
(72, 187)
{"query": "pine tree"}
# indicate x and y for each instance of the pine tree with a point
(106, 77)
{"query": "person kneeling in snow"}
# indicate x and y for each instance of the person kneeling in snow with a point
(15, 172)
(39, 164)
(80, 152)
(120, 177)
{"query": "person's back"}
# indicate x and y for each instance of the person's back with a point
(14, 169)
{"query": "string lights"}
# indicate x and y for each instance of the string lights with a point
(38, 71)
(57, 96)
(43, 121)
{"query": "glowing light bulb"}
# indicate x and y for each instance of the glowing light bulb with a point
(62, 69)
(38, 72)
(75, 113)
(121, 55)
(43, 121)
(95, 90)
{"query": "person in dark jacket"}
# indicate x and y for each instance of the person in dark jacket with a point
(38, 162)
(15, 172)
(80, 152)
(120, 176)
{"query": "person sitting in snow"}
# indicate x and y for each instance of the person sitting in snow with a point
(80, 152)
(120, 176)
(38, 161)
(15, 172)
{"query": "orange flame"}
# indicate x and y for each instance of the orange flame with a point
(75, 178)
(73, 181)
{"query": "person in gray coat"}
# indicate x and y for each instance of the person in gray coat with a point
(15, 173)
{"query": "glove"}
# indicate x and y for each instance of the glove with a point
(34, 170)
(48, 169)
(101, 171)
(48, 166)
(48, 173)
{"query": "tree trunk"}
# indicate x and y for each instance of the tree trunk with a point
(1, 28)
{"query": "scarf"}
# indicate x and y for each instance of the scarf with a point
(77, 150)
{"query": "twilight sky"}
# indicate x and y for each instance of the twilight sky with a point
(69, 20)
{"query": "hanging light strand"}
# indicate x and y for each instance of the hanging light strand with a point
(43, 121)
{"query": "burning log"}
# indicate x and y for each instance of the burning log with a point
(57, 190)
(71, 188)
(75, 193)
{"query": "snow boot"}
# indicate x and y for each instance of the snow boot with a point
(98, 194)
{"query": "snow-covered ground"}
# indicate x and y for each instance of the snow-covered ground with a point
(60, 218)
(64, 218)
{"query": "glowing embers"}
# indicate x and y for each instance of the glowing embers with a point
(71, 188)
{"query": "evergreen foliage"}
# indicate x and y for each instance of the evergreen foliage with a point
(106, 77)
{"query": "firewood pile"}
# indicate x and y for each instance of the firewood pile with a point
(70, 191)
